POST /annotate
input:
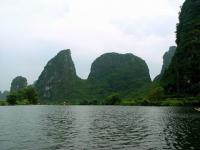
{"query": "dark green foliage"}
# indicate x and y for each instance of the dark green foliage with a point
(58, 82)
(57, 77)
(31, 95)
(120, 73)
(187, 101)
(167, 58)
(18, 83)
(12, 98)
(113, 99)
(3, 103)
(156, 94)
(172, 102)
(125, 74)
(23, 96)
(129, 102)
(183, 74)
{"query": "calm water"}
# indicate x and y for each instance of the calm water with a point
(99, 128)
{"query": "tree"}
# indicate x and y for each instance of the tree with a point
(156, 94)
(31, 95)
(113, 99)
(23, 96)
(12, 99)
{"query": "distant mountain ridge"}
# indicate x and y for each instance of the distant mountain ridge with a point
(3, 95)
(111, 72)
(18, 83)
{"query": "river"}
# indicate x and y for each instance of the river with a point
(98, 128)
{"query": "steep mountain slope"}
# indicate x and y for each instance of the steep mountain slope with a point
(121, 73)
(183, 74)
(18, 83)
(58, 81)
(167, 58)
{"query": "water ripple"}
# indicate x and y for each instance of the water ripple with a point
(98, 127)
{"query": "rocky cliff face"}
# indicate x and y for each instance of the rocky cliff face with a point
(111, 72)
(182, 76)
(58, 80)
(18, 83)
(167, 58)
(121, 73)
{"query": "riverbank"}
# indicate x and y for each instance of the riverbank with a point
(189, 101)
(3, 103)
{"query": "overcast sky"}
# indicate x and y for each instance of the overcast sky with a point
(33, 31)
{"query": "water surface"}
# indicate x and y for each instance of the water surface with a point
(98, 127)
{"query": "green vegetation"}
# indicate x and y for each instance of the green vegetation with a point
(23, 96)
(156, 94)
(167, 58)
(3, 103)
(179, 82)
(115, 79)
(124, 74)
(123, 79)
(187, 101)
(113, 99)
(58, 82)
(182, 76)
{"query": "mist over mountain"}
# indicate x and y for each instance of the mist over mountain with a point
(3, 95)
(18, 83)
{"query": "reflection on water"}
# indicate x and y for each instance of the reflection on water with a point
(98, 127)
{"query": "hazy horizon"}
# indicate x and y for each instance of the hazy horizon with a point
(32, 32)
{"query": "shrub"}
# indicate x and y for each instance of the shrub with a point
(23, 97)
(156, 94)
(113, 99)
